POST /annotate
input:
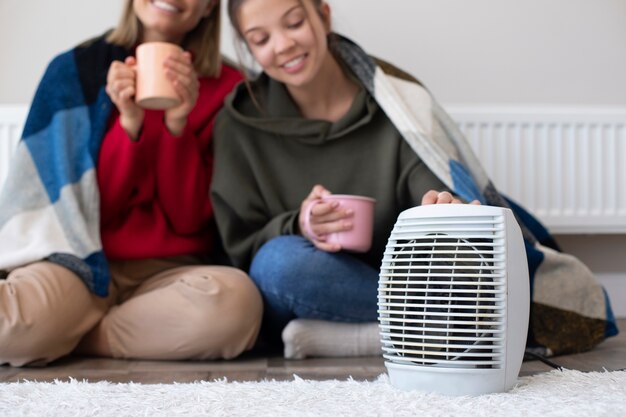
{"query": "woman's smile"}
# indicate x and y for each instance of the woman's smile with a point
(165, 6)
(295, 65)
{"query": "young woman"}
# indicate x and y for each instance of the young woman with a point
(107, 246)
(325, 117)
(305, 128)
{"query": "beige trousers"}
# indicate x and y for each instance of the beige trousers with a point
(156, 309)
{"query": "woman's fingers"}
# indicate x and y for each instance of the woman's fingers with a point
(445, 197)
(323, 218)
(121, 82)
(430, 197)
(326, 228)
(327, 247)
(181, 73)
(442, 197)
(119, 85)
(330, 217)
(318, 191)
(180, 70)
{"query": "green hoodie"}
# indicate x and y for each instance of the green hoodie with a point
(267, 161)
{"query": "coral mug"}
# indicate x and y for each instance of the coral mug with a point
(357, 239)
(154, 89)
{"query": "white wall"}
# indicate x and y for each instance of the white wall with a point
(33, 31)
(520, 52)
(501, 51)
(567, 52)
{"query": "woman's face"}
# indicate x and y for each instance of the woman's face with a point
(170, 20)
(286, 37)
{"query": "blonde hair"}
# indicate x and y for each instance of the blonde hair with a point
(203, 41)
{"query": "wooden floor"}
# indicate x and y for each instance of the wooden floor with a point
(610, 355)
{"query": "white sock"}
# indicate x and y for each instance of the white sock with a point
(305, 338)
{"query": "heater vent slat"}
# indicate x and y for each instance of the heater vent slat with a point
(435, 323)
(431, 258)
(443, 349)
(422, 242)
(426, 322)
(451, 232)
(417, 267)
(414, 290)
(426, 304)
(429, 305)
(417, 286)
(391, 286)
(483, 242)
(416, 277)
(408, 275)
(429, 354)
(457, 220)
(438, 298)
(460, 363)
(386, 335)
(460, 294)
(416, 252)
(446, 312)
(451, 224)
(408, 329)
(420, 237)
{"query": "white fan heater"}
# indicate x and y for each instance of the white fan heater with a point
(454, 300)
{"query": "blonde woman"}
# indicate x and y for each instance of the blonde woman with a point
(108, 245)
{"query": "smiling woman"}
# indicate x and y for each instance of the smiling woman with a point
(160, 20)
(112, 252)
(292, 48)
(322, 131)
(170, 21)
(284, 42)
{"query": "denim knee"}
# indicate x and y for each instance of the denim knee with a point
(278, 261)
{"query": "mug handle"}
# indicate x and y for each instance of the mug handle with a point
(307, 219)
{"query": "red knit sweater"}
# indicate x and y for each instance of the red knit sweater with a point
(154, 193)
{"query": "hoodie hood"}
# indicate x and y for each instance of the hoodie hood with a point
(276, 113)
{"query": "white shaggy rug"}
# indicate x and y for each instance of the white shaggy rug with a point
(557, 393)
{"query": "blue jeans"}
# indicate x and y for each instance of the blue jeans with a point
(297, 280)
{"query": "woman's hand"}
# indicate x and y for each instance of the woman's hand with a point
(183, 76)
(443, 197)
(121, 89)
(325, 218)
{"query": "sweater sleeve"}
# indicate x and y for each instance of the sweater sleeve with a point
(415, 178)
(242, 217)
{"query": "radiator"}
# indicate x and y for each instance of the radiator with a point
(567, 166)
(11, 123)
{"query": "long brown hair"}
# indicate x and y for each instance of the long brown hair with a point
(203, 40)
(233, 7)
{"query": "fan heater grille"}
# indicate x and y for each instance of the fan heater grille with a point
(442, 292)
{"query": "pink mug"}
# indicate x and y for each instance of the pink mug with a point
(154, 89)
(357, 239)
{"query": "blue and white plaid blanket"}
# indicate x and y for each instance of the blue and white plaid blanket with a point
(570, 311)
(49, 205)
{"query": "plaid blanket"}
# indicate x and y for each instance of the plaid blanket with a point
(570, 311)
(49, 205)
